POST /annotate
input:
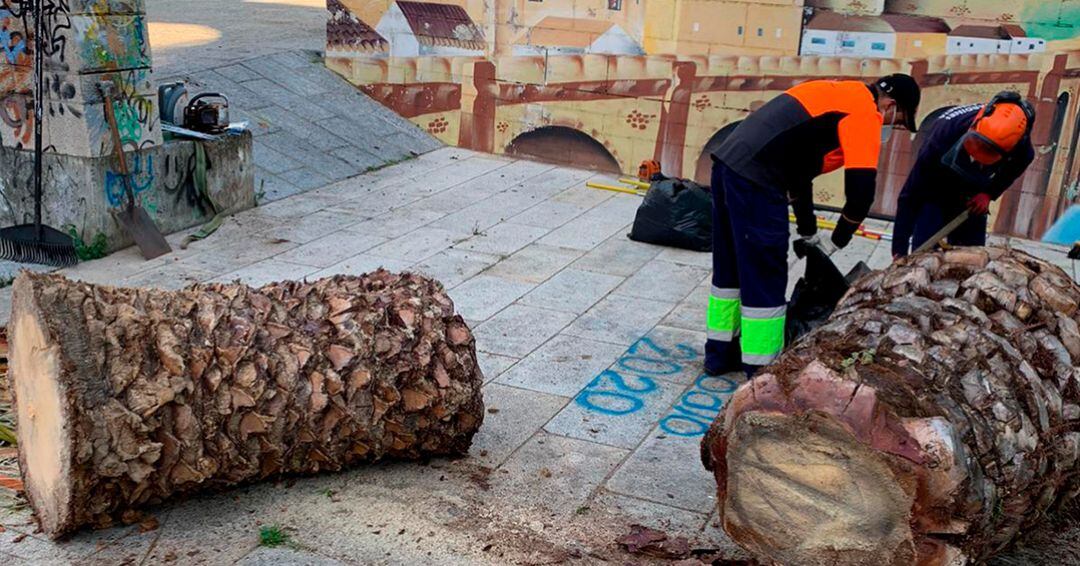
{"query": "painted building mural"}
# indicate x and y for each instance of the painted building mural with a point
(86, 42)
(607, 83)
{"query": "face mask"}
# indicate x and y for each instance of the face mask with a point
(886, 131)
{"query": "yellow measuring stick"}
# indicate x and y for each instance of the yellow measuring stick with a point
(615, 189)
(634, 182)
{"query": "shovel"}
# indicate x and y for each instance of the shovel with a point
(133, 218)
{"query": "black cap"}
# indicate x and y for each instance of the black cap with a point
(905, 91)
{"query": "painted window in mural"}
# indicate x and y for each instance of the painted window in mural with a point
(877, 46)
(614, 4)
(740, 30)
(819, 41)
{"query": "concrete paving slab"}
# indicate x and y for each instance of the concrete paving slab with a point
(616, 409)
(84, 548)
(417, 245)
(267, 271)
(583, 196)
(686, 257)
(328, 250)
(618, 256)
(393, 224)
(620, 320)
(514, 415)
(315, 226)
(572, 291)
(272, 160)
(502, 239)
(492, 365)
(562, 366)
(361, 264)
(482, 296)
(305, 178)
(674, 521)
(453, 267)
(534, 263)
(663, 281)
(518, 330)
(668, 354)
(667, 470)
(172, 277)
(449, 203)
(485, 212)
(220, 530)
(223, 256)
(584, 232)
(286, 557)
(550, 214)
(549, 464)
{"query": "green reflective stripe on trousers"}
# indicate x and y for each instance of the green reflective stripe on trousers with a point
(763, 336)
(723, 314)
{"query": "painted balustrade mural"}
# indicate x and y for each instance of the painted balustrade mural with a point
(606, 84)
(86, 42)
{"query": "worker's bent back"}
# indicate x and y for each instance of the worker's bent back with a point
(784, 144)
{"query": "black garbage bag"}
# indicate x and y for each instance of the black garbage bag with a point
(817, 293)
(676, 213)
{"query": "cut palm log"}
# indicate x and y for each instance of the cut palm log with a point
(932, 420)
(127, 397)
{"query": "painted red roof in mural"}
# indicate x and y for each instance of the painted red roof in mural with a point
(1008, 31)
(346, 31)
(443, 25)
(904, 23)
(826, 20)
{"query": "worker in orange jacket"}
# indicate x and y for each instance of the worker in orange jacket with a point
(772, 156)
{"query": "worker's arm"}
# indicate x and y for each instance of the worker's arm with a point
(802, 204)
(913, 195)
(860, 140)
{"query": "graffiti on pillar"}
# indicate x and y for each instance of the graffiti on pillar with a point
(140, 177)
(86, 42)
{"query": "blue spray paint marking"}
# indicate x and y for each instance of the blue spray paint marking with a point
(699, 407)
(142, 178)
(626, 398)
(630, 385)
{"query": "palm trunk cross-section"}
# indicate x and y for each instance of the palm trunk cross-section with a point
(933, 419)
(127, 397)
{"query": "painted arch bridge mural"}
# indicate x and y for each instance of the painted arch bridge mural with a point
(579, 93)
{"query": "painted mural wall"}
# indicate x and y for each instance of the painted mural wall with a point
(86, 42)
(608, 83)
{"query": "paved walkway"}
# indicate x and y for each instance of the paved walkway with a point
(591, 350)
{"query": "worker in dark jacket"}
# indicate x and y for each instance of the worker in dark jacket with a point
(769, 160)
(967, 157)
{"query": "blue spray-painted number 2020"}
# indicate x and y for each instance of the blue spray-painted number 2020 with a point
(638, 379)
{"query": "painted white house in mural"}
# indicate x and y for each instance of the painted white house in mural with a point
(835, 34)
(569, 36)
(1005, 39)
(414, 29)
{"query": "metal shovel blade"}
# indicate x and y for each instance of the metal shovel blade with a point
(138, 224)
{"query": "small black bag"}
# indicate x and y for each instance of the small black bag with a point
(676, 213)
(817, 294)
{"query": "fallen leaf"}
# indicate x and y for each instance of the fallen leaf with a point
(19, 538)
(650, 542)
(544, 472)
